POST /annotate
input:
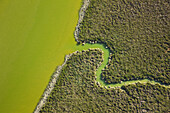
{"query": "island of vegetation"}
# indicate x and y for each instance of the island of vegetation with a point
(136, 33)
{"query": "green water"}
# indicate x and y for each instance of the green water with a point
(35, 35)
(105, 62)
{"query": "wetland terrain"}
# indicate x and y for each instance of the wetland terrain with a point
(118, 63)
(135, 86)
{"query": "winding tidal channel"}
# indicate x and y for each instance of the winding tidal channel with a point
(35, 35)
(105, 62)
(99, 80)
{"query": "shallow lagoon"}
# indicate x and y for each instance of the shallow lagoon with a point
(35, 35)
(34, 38)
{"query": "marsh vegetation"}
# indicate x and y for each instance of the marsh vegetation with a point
(76, 90)
(136, 32)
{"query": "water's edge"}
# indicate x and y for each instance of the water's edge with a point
(98, 80)
(50, 85)
(54, 77)
(81, 16)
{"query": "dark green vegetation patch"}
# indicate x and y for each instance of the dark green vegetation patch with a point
(77, 92)
(137, 33)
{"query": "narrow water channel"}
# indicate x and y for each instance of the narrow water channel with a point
(105, 62)
(35, 35)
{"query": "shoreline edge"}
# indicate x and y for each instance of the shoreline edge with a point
(55, 75)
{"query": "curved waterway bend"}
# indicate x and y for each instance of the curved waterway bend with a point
(101, 82)
(105, 62)
(34, 37)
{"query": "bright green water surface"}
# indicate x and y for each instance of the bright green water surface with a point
(35, 35)
(105, 62)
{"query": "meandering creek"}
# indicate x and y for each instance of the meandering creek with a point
(105, 62)
(98, 81)
(35, 35)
